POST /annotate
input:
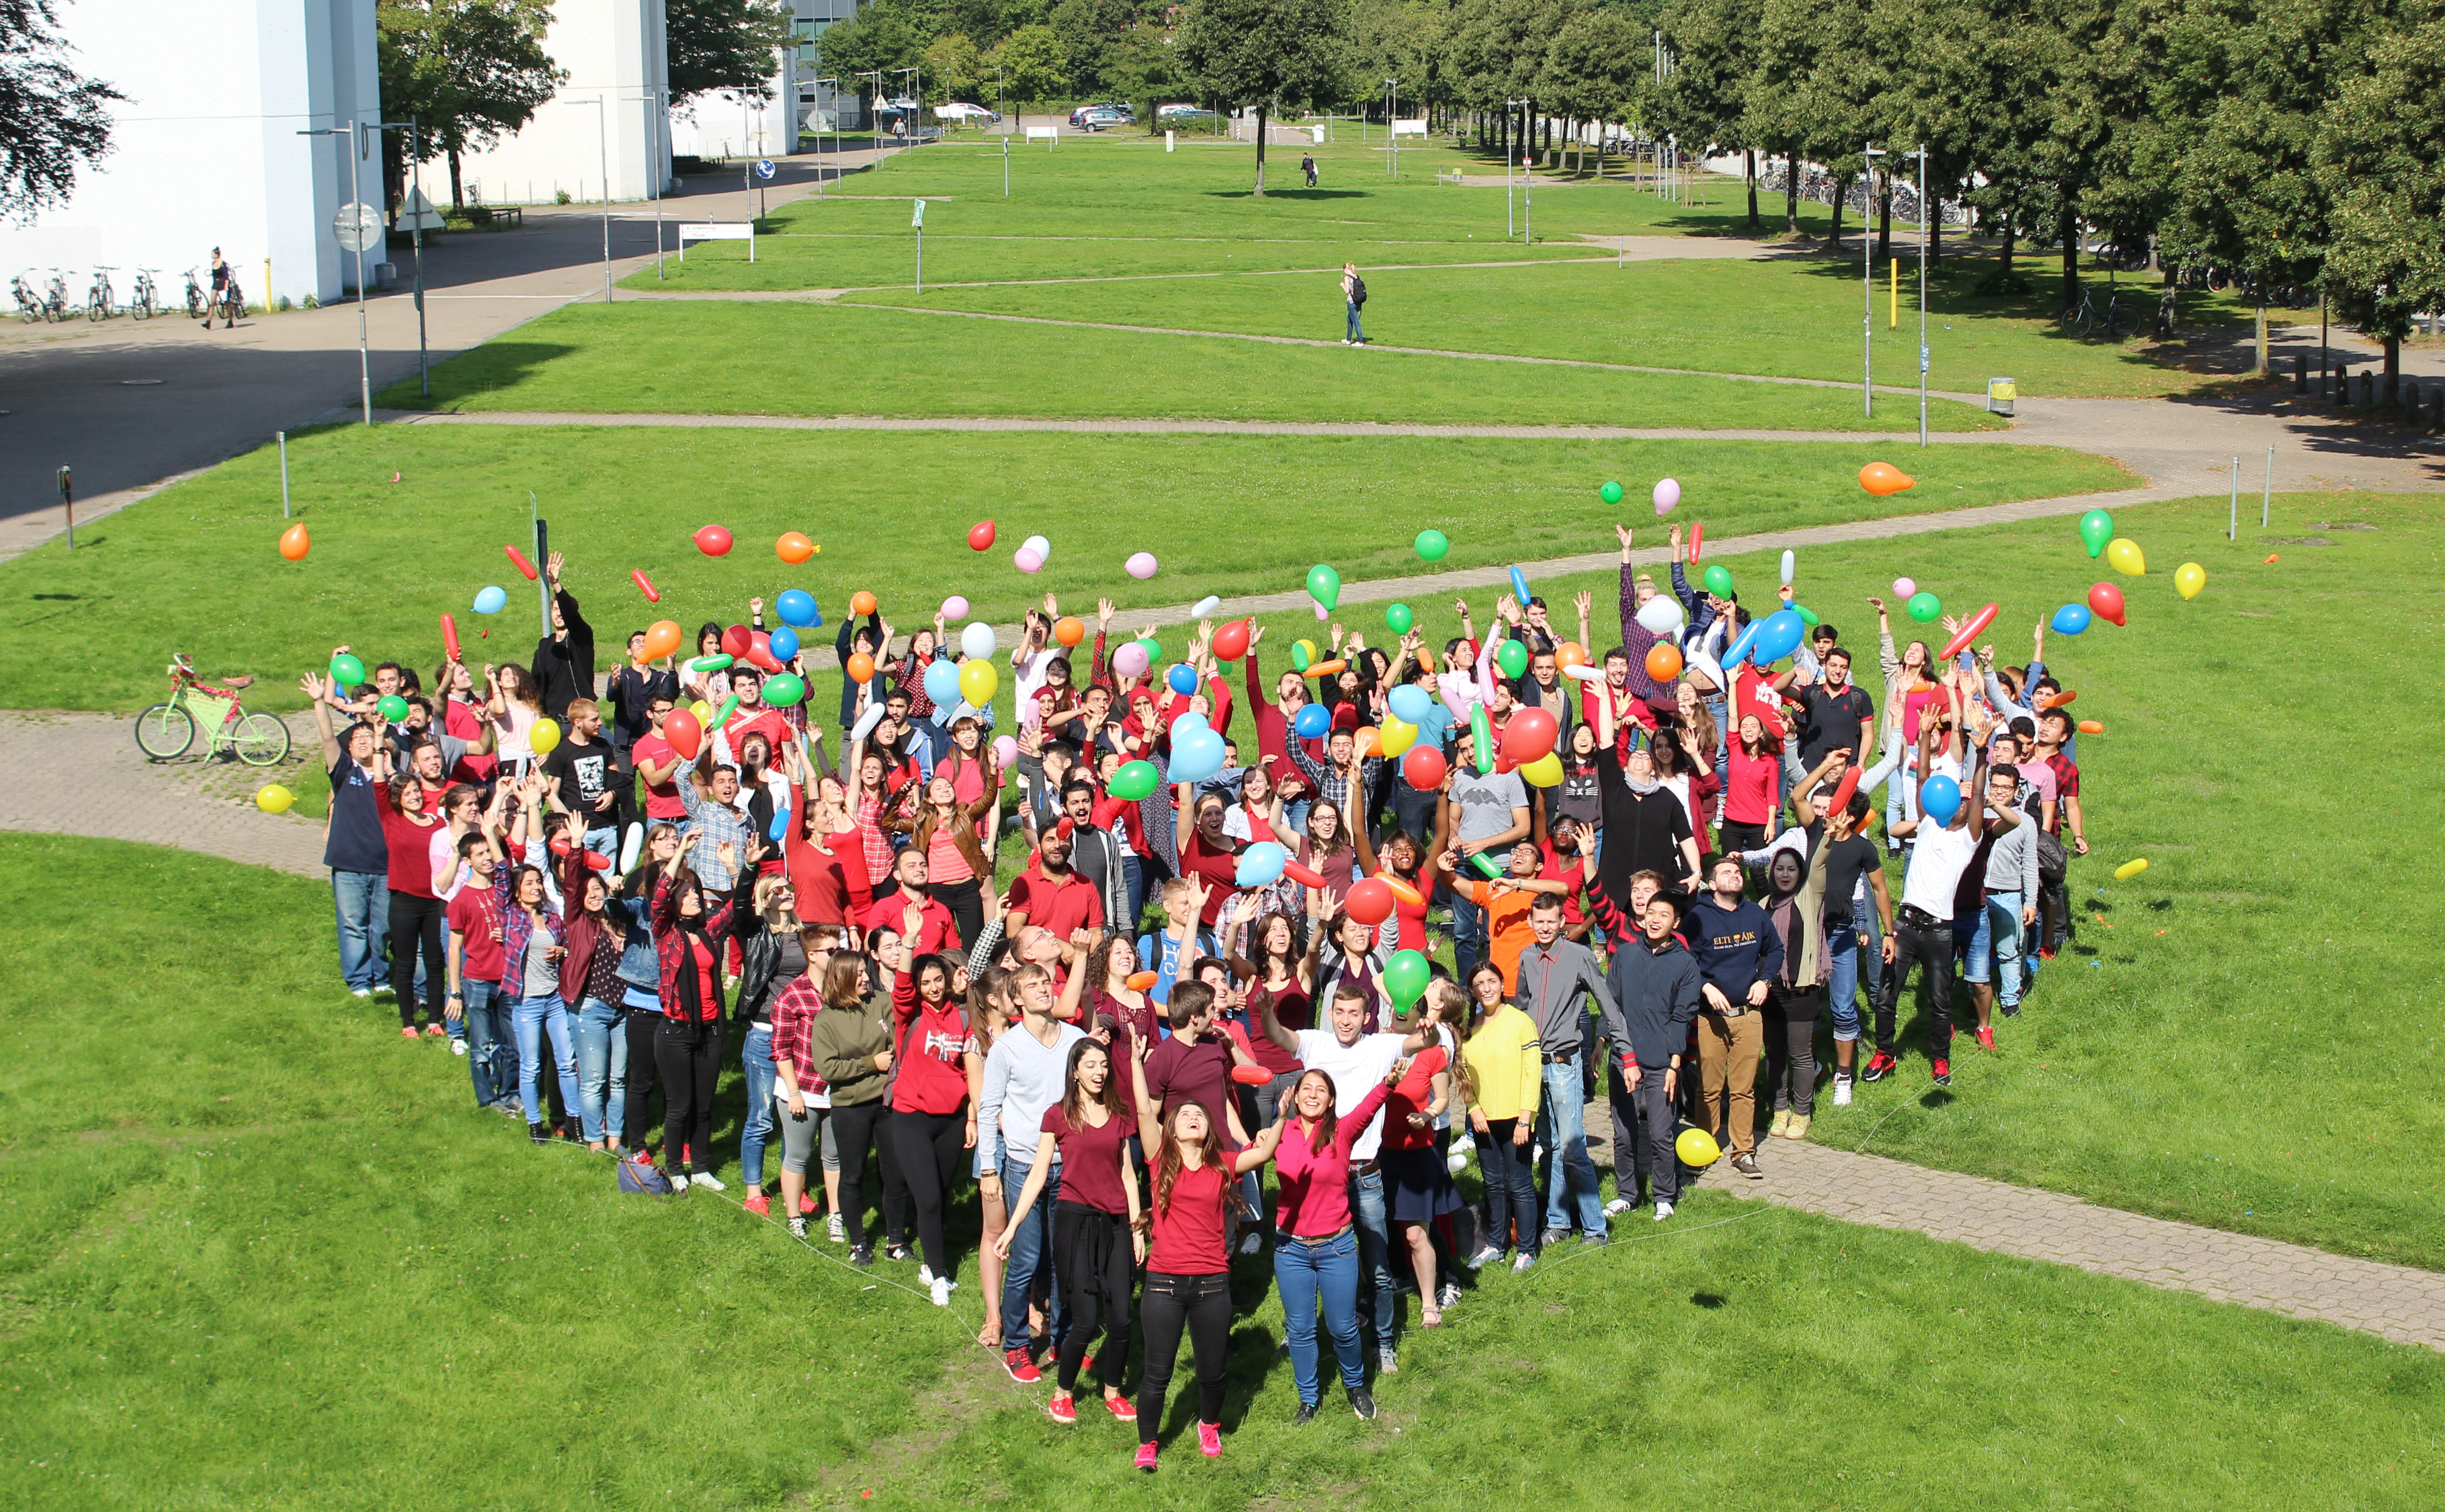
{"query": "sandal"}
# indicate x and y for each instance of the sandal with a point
(1431, 1317)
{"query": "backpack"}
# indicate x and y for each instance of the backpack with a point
(1359, 290)
(2053, 859)
(648, 1180)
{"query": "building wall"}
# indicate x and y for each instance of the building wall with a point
(614, 53)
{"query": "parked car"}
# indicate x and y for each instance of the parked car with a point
(957, 114)
(1177, 116)
(1098, 118)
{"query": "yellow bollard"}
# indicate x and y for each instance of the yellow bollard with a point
(1893, 296)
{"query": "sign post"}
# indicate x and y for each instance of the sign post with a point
(918, 220)
(717, 231)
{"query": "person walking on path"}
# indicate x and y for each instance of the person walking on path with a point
(1307, 168)
(1354, 295)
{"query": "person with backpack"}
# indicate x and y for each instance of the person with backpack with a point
(1354, 294)
(1307, 168)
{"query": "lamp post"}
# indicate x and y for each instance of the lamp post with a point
(353, 131)
(1868, 156)
(416, 230)
(602, 148)
(833, 80)
(874, 116)
(1924, 211)
(910, 133)
(1391, 124)
(1508, 228)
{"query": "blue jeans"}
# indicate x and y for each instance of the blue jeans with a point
(537, 1017)
(602, 1069)
(1718, 709)
(1313, 1272)
(1376, 1250)
(1133, 880)
(492, 1043)
(756, 1058)
(1995, 946)
(1570, 1176)
(1468, 935)
(1031, 1246)
(605, 841)
(362, 902)
(1350, 331)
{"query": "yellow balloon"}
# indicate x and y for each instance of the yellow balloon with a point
(978, 680)
(1545, 772)
(273, 798)
(2189, 579)
(702, 711)
(1697, 1148)
(1395, 735)
(2126, 557)
(2129, 869)
(545, 735)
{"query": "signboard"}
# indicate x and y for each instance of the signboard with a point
(1410, 128)
(2001, 392)
(718, 230)
(918, 218)
(1051, 133)
(418, 212)
(763, 167)
(358, 228)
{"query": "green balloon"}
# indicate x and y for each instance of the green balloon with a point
(1433, 545)
(1610, 492)
(784, 689)
(2095, 529)
(347, 671)
(1406, 977)
(394, 708)
(1807, 615)
(1136, 780)
(1512, 656)
(710, 663)
(1481, 732)
(1719, 580)
(1324, 585)
(1398, 619)
(1152, 647)
(1302, 652)
(1925, 607)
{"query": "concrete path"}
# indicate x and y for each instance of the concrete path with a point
(190, 803)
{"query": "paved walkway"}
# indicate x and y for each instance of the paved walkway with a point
(195, 805)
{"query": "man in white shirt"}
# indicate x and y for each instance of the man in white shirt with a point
(1923, 925)
(1025, 1074)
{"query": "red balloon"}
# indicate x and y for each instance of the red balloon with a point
(737, 641)
(1697, 539)
(646, 584)
(760, 653)
(1842, 790)
(679, 727)
(1304, 876)
(712, 541)
(1370, 902)
(981, 536)
(1985, 617)
(450, 637)
(2105, 601)
(1530, 735)
(1424, 768)
(1231, 641)
(518, 560)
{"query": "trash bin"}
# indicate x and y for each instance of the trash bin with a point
(385, 276)
(1999, 394)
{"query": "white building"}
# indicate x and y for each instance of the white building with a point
(206, 150)
(606, 122)
(723, 123)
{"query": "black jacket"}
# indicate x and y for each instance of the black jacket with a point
(564, 669)
(1651, 997)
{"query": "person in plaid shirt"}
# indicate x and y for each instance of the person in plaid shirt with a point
(798, 1089)
(722, 839)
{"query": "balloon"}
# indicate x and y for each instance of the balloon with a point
(646, 584)
(1904, 587)
(392, 708)
(2095, 529)
(976, 639)
(737, 641)
(779, 828)
(450, 637)
(1481, 732)
(271, 797)
(1005, 749)
(1667, 495)
(1925, 607)
(710, 663)
(794, 548)
(1410, 703)
(712, 541)
(1396, 736)
(1190, 721)
(1881, 478)
(1398, 619)
(1719, 581)
(2070, 620)
(1370, 902)
(865, 723)
(955, 607)
(859, 666)
(1843, 789)
(1940, 798)
(490, 600)
(942, 684)
(722, 716)
(1195, 756)
(1570, 653)
(518, 560)
(1182, 679)
(1069, 629)
(1136, 780)
(1324, 585)
(2106, 600)
(1697, 539)
(663, 637)
(1697, 1148)
(684, 731)
(2124, 556)
(1363, 742)
(1969, 632)
(543, 736)
(1530, 735)
(1141, 564)
(1545, 772)
(2056, 701)
(1260, 865)
(981, 536)
(702, 710)
(862, 601)
(1779, 635)
(1424, 768)
(1584, 672)
(1610, 492)
(1662, 614)
(1405, 976)
(2189, 579)
(1130, 660)
(1038, 545)
(1141, 980)
(1231, 641)
(1738, 649)
(1807, 615)
(796, 607)
(347, 671)
(2129, 869)
(978, 680)
(1519, 588)
(1402, 891)
(1152, 646)
(1663, 661)
(2091, 727)
(1313, 722)
(783, 645)
(784, 690)
(1433, 546)
(1027, 560)
(1512, 656)
(1789, 562)
(294, 545)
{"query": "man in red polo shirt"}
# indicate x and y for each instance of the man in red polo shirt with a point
(1052, 894)
(937, 932)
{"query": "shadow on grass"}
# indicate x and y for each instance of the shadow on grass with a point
(1289, 193)
(494, 365)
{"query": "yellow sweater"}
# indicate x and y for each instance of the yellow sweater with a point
(1506, 1065)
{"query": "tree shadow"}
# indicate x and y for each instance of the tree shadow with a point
(1289, 193)
(488, 368)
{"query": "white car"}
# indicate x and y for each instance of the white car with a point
(964, 115)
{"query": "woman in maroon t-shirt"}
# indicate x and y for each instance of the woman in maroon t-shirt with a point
(1188, 1271)
(415, 910)
(1284, 976)
(1206, 853)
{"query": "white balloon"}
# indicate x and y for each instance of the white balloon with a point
(1662, 614)
(1789, 562)
(1037, 543)
(866, 721)
(629, 848)
(976, 639)
(1204, 606)
(1583, 672)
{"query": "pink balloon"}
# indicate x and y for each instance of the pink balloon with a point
(1027, 560)
(1130, 660)
(1005, 751)
(1141, 564)
(1668, 494)
(1321, 612)
(955, 607)
(1904, 587)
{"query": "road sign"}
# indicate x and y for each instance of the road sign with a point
(763, 167)
(1922, 359)
(919, 218)
(358, 228)
(418, 212)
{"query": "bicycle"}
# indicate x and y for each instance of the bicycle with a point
(232, 301)
(196, 302)
(166, 730)
(2085, 318)
(55, 297)
(96, 299)
(30, 304)
(145, 302)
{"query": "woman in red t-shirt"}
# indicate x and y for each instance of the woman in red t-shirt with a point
(1403, 859)
(1753, 771)
(1284, 976)
(1206, 851)
(1417, 1184)
(933, 1102)
(415, 910)
(1097, 1244)
(1188, 1268)
(1112, 999)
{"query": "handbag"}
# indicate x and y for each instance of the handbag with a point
(648, 1180)
(2054, 859)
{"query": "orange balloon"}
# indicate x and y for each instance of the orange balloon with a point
(1570, 653)
(294, 542)
(1363, 742)
(1402, 890)
(1881, 478)
(1140, 980)
(661, 638)
(1069, 629)
(794, 548)
(862, 603)
(860, 667)
(2091, 727)
(1663, 661)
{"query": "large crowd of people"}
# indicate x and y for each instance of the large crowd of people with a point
(601, 885)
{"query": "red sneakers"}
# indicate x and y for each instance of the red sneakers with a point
(1146, 1457)
(1944, 1074)
(408, 1034)
(1209, 1438)
(758, 1203)
(1879, 1067)
(1062, 1408)
(1987, 1037)
(1021, 1368)
(1122, 1407)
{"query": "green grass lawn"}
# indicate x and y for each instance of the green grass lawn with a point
(193, 569)
(266, 1255)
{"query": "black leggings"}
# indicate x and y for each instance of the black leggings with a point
(1092, 1259)
(645, 1074)
(1202, 1305)
(931, 1146)
(690, 1057)
(1791, 1046)
(967, 905)
(1930, 945)
(417, 922)
(854, 1130)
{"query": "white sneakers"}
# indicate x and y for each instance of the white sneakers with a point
(1617, 1207)
(706, 1180)
(1663, 1211)
(836, 1230)
(459, 1048)
(942, 1291)
(1842, 1092)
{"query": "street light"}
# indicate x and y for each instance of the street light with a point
(873, 125)
(364, 363)
(416, 229)
(1923, 212)
(1392, 123)
(602, 148)
(1508, 229)
(833, 80)
(911, 130)
(1868, 292)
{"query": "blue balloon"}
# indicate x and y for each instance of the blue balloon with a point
(1191, 720)
(1518, 591)
(1777, 636)
(490, 600)
(783, 642)
(1940, 798)
(1183, 678)
(1739, 646)
(2071, 619)
(797, 606)
(1195, 756)
(1316, 720)
(780, 826)
(1409, 703)
(942, 684)
(1260, 865)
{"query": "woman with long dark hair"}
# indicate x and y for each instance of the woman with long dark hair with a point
(934, 1102)
(688, 939)
(530, 953)
(416, 913)
(944, 832)
(1283, 976)
(851, 1045)
(1189, 1267)
(591, 990)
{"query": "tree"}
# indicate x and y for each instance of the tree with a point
(1589, 68)
(954, 68)
(2380, 154)
(53, 119)
(1706, 100)
(1033, 65)
(724, 45)
(1090, 32)
(469, 72)
(1271, 54)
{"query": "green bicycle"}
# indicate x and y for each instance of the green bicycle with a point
(165, 731)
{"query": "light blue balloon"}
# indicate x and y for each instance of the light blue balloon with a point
(1196, 755)
(1183, 678)
(490, 600)
(1315, 719)
(1409, 703)
(1187, 722)
(783, 642)
(1940, 799)
(797, 606)
(780, 826)
(1777, 636)
(1520, 589)
(1260, 865)
(942, 684)
(2071, 619)
(1741, 644)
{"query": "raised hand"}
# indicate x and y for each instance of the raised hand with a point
(1621, 532)
(1584, 602)
(552, 568)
